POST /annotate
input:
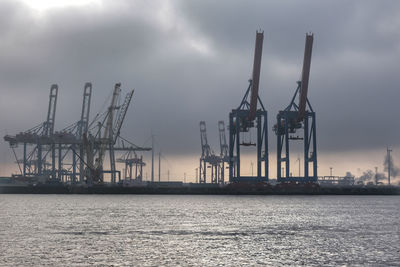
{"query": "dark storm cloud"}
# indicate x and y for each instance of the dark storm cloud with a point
(190, 61)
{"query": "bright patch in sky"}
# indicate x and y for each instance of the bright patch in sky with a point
(43, 5)
(199, 46)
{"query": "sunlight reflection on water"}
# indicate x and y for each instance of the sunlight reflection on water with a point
(199, 230)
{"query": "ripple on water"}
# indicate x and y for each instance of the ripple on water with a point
(199, 230)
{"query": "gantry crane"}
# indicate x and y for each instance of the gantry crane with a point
(131, 159)
(34, 163)
(208, 158)
(246, 117)
(294, 118)
(70, 140)
(88, 150)
(103, 140)
(108, 138)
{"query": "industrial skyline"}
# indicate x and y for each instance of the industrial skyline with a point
(190, 62)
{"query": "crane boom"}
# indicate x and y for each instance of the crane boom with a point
(205, 148)
(51, 113)
(83, 123)
(121, 115)
(256, 75)
(107, 137)
(305, 76)
(222, 139)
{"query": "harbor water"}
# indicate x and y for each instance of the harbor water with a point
(144, 230)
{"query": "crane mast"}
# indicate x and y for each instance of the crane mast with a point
(83, 128)
(49, 128)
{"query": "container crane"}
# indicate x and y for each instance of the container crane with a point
(107, 139)
(115, 132)
(88, 151)
(131, 159)
(41, 137)
(207, 156)
(246, 117)
(71, 139)
(297, 117)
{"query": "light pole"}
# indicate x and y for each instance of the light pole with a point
(159, 167)
(298, 159)
(389, 163)
(152, 158)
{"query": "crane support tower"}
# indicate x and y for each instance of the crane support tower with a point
(294, 118)
(83, 126)
(245, 118)
(224, 148)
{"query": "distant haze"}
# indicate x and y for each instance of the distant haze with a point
(191, 60)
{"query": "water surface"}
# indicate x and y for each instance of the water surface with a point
(173, 230)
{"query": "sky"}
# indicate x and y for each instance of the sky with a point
(191, 60)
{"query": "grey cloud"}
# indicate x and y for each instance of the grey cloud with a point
(353, 85)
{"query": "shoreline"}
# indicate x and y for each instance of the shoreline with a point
(201, 189)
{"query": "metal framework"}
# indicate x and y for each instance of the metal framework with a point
(243, 119)
(296, 118)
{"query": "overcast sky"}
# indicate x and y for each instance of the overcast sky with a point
(191, 60)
